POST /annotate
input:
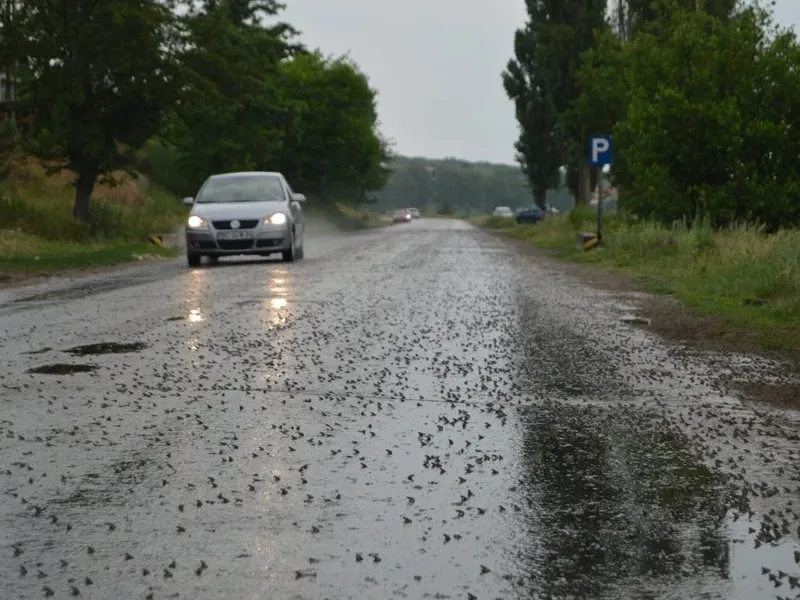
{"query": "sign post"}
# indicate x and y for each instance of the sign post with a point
(600, 155)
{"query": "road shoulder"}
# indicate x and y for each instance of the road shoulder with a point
(690, 331)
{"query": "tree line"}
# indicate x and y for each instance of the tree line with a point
(453, 186)
(702, 98)
(213, 85)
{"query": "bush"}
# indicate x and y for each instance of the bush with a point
(580, 216)
(44, 208)
(496, 222)
(164, 167)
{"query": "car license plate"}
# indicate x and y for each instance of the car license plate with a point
(234, 235)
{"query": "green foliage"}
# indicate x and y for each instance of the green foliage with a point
(183, 94)
(254, 101)
(34, 209)
(23, 253)
(469, 188)
(93, 97)
(701, 100)
(714, 270)
(332, 149)
(494, 222)
(542, 80)
(581, 215)
(538, 149)
(445, 209)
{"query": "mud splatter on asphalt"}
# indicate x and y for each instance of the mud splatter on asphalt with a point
(62, 369)
(106, 348)
(473, 425)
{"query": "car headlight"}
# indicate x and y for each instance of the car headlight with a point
(276, 219)
(196, 222)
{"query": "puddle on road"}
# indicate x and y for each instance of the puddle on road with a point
(634, 320)
(106, 348)
(40, 351)
(624, 508)
(62, 369)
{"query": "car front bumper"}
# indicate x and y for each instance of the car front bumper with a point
(263, 241)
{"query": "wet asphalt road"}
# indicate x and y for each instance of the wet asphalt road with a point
(424, 411)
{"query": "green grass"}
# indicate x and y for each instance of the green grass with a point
(38, 232)
(20, 252)
(716, 272)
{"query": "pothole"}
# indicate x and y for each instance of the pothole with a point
(62, 369)
(40, 351)
(635, 320)
(106, 348)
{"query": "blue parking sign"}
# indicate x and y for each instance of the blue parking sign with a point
(600, 152)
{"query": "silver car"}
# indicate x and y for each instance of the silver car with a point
(245, 213)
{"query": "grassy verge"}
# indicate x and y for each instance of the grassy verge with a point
(21, 252)
(38, 233)
(748, 279)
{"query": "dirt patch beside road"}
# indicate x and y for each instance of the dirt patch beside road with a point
(694, 332)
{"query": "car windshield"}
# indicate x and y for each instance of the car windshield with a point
(242, 188)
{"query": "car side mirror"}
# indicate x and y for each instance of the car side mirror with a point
(298, 197)
(188, 201)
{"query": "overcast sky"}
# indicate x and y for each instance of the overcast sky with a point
(436, 65)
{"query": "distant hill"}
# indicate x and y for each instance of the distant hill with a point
(467, 188)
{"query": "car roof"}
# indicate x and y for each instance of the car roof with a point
(240, 173)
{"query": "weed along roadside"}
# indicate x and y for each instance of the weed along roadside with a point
(39, 236)
(747, 280)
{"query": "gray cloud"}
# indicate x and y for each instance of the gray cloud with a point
(436, 65)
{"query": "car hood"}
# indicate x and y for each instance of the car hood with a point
(238, 210)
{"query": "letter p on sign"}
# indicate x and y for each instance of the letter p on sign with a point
(600, 150)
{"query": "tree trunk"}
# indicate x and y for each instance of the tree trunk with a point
(539, 198)
(84, 186)
(584, 184)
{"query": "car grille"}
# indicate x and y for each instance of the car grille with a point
(244, 224)
(235, 244)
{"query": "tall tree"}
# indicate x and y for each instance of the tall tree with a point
(569, 30)
(643, 13)
(538, 148)
(543, 82)
(332, 146)
(232, 112)
(94, 99)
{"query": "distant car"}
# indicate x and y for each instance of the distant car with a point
(529, 214)
(245, 213)
(503, 211)
(415, 214)
(551, 210)
(401, 215)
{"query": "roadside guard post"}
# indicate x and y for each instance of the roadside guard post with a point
(600, 155)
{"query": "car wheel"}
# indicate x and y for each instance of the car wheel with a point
(300, 253)
(291, 254)
(193, 260)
